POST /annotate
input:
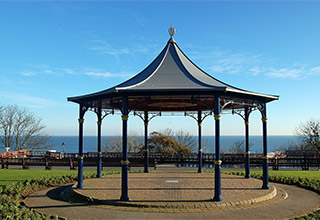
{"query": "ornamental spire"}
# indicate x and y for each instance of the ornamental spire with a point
(172, 31)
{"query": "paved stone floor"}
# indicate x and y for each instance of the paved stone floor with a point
(174, 195)
(175, 190)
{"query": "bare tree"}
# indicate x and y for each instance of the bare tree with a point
(135, 142)
(290, 145)
(114, 144)
(165, 144)
(186, 139)
(309, 135)
(21, 129)
(182, 137)
(237, 148)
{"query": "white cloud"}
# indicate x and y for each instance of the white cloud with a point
(116, 50)
(107, 74)
(255, 71)
(31, 101)
(242, 63)
(315, 71)
(229, 62)
(293, 73)
(29, 73)
(46, 69)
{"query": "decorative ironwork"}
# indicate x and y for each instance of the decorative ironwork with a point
(107, 112)
(172, 31)
(142, 116)
(261, 108)
(195, 116)
(225, 104)
(242, 113)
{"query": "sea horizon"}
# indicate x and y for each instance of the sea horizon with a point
(275, 142)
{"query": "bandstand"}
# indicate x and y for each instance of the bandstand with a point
(173, 83)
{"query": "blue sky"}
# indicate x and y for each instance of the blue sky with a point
(53, 50)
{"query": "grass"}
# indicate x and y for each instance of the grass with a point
(306, 179)
(294, 174)
(8, 176)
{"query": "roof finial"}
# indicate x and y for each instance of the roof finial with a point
(172, 31)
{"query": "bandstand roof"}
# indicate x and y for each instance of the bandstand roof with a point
(172, 82)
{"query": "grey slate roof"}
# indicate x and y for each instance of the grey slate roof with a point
(172, 71)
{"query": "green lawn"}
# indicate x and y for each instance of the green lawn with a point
(294, 174)
(8, 176)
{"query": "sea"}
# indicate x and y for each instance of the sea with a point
(275, 143)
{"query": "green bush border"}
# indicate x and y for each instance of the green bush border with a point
(304, 182)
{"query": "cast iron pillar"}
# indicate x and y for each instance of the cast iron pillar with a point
(217, 162)
(124, 162)
(99, 161)
(247, 153)
(265, 147)
(82, 111)
(146, 150)
(199, 142)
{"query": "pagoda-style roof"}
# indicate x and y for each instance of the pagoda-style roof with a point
(171, 77)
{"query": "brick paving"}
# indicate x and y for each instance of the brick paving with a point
(175, 200)
(174, 190)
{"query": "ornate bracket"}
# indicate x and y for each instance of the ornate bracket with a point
(106, 113)
(261, 108)
(226, 103)
(83, 109)
(242, 112)
(196, 117)
(142, 115)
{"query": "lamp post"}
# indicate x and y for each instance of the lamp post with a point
(63, 147)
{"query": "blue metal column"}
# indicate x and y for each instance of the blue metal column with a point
(247, 153)
(99, 161)
(217, 162)
(82, 111)
(124, 162)
(146, 151)
(199, 142)
(265, 148)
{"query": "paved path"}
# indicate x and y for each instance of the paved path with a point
(189, 198)
(175, 190)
